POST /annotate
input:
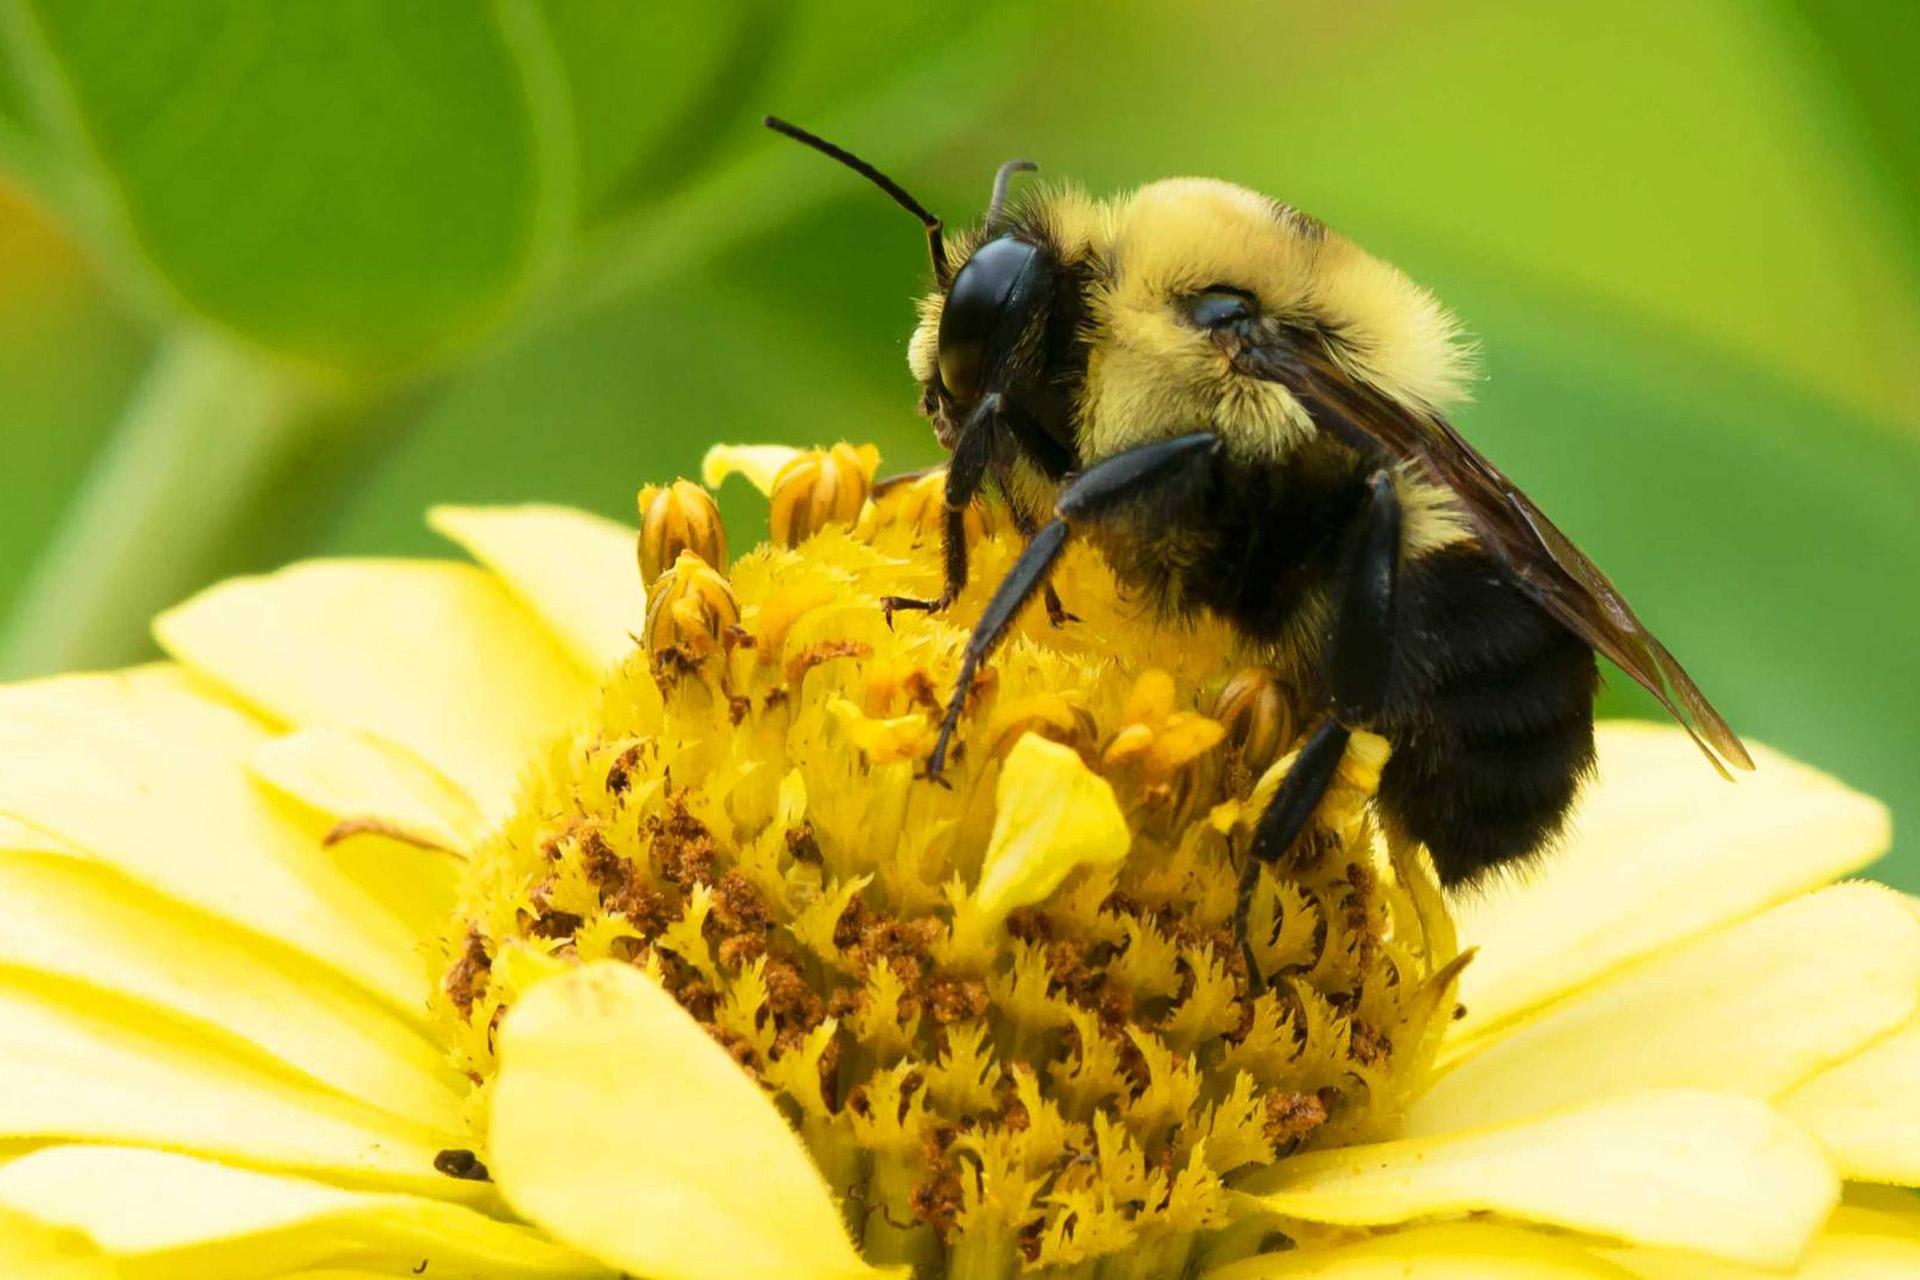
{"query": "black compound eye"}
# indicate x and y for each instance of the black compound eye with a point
(1221, 307)
(975, 306)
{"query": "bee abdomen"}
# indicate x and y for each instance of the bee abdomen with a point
(1491, 722)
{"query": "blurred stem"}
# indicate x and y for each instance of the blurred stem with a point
(200, 444)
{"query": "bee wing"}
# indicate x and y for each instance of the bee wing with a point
(1544, 560)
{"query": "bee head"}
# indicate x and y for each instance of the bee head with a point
(1003, 338)
(986, 312)
(999, 335)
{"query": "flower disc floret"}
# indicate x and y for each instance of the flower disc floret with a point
(1009, 1018)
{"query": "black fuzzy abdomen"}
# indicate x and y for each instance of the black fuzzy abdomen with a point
(1490, 713)
(1490, 702)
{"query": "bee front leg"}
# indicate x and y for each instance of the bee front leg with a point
(1086, 498)
(953, 547)
(966, 474)
(1359, 663)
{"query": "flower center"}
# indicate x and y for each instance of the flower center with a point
(1029, 1077)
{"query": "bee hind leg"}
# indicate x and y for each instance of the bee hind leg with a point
(1358, 664)
(1086, 498)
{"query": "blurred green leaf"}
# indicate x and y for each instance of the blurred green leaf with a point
(652, 88)
(755, 183)
(67, 362)
(348, 181)
(15, 115)
(13, 106)
(588, 410)
(838, 52)
(21, 153)
(1868, 49)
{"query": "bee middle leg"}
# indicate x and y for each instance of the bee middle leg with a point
(1057, 615)
(1359, 663)
(1087, 498)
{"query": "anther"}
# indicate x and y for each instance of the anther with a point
(689, 607)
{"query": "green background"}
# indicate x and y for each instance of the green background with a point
(275, 276)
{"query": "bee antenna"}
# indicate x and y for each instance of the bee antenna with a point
(936, 248)
(1002, 177)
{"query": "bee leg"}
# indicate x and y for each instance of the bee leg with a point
(1057, 615)
(1359, 662)
(1285, 815)
(1086, 498)
(966, 474)
(953, 547)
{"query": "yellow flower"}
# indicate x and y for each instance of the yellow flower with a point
(411, 919)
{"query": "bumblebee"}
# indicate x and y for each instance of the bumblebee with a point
(1245, 412)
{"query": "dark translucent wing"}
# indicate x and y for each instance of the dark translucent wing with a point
(1544, 560)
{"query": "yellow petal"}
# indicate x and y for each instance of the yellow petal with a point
(81, 922)
(759, 463)
(884, 741)
(624, 1130)
(1446, 1251)
(1052, 815)
(418, 886)
(169, 1215)
(1875, 1235)
(145, 771)
(1183, 738)
(24, 837)
(1680, 1169)
(575, 570)
(32, 1251)
(1753, 1009)
(84, 1066)
(346, 775)
(1865, 1239)
(393, 826)
(1866, 1111)
(437, 658)
(1660, 850)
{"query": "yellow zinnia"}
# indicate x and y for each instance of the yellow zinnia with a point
(414, 919)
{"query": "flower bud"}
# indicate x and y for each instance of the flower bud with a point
(819, 488)
(675, 518)
(1254, 709)
(689, 608)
